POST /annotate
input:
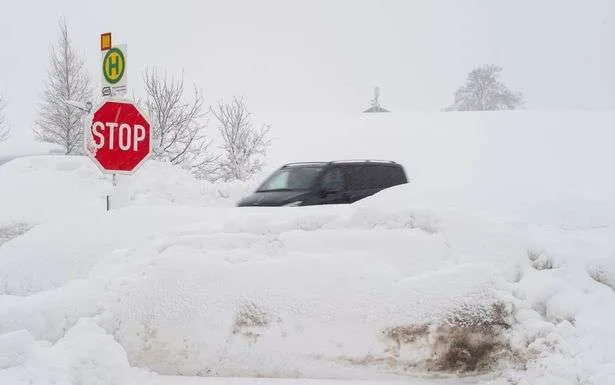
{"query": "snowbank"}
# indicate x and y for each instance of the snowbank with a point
(15, 148)
(497, 258)
(215, 282)
(37, 188)
(360, 291)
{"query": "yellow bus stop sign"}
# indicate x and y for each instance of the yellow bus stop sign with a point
(105, 41)
(113, 65)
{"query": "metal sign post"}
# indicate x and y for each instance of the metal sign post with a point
(114, 183)
(118, 139)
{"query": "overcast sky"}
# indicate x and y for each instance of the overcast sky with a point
(326, 56)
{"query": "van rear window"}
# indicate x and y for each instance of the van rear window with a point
(365, 177)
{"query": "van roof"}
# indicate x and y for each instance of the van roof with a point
(340, 161)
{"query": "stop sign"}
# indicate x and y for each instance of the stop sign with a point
(119, 138)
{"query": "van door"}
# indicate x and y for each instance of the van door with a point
(333, 187)
(362, 181)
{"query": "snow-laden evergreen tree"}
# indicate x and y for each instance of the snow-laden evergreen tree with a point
(178, 124)
(483, 91)
(243, 145)
(67, 80)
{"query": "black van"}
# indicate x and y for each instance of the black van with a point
(319, 183)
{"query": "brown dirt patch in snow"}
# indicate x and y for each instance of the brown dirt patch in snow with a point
(406, 334)
(461, 349)
(470, 341)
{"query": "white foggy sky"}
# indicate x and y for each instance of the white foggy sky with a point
(326, 56)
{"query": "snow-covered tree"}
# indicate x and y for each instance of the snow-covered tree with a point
(5, 129)
(484, 91)
(67, 80)
(243, 145)
(178, 124)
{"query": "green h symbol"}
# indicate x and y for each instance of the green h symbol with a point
(114, 64)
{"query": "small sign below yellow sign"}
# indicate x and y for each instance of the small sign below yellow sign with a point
(114, 80)
(105, 41)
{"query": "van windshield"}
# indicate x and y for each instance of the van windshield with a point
(291, 178)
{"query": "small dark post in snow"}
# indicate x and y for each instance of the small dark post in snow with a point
(114, 183)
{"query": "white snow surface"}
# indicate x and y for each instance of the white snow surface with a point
(18, 147)
(39, 188)
(513, 208)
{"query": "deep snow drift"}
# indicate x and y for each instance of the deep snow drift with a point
(474, 267)
(38, 188)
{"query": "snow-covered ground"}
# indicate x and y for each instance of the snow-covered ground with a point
(497, 263)
(39, 188)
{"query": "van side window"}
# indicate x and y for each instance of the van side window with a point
(389, 176)
(364, 177)
(376, 177)
(371, 176)
(396, 176)
(333, 180)
(355, 182)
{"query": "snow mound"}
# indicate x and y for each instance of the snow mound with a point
(15, 348)
(217, 291)
(38, 188)
(163, 184)
(14, 148)
(222, 305)
(85, 355)
(361, 291)
(497, 258)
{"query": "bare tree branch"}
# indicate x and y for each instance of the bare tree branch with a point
(177, 125)
(483, 91)
(243, 146)
(58, 122)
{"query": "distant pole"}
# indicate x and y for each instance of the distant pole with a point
(375, 103)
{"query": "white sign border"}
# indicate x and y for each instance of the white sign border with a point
(124, 80)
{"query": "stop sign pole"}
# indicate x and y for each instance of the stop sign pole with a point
(118, 139)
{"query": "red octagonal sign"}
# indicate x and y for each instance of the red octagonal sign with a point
(119, 138)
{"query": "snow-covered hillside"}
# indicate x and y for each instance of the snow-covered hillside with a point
(497, 261)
